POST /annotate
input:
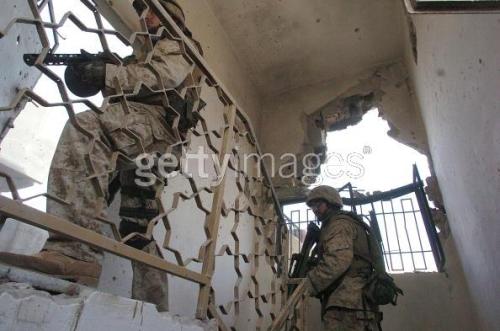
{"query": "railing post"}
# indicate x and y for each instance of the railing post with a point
(212, 225)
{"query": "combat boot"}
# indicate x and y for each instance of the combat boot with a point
(57, 265)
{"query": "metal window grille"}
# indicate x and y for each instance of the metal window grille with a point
(400, 218)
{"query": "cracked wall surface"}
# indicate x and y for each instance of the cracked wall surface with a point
(305, 115)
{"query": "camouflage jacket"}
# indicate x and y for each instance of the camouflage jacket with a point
(342, 270)
(175, 72)
(167, 60)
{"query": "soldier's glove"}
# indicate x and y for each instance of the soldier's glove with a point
(85, 79)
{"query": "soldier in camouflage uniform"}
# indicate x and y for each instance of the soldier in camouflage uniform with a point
(84, 163)
(343, 266)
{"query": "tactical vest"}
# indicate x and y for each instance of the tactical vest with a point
(361, 265)
(368, 262)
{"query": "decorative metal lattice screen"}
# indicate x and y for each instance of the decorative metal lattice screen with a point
(219, 230)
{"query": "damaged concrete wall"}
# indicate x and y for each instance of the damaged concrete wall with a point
(456, 83)
(303, 114)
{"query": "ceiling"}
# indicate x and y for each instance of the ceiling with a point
(287, 44)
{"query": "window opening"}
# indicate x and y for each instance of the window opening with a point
(398, 210)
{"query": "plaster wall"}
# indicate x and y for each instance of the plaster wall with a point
(17, 40)
(456, 85)
(291, 44)
(220, 55)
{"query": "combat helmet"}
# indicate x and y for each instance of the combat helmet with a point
(171, 6)
(327, 193)
(175, 10)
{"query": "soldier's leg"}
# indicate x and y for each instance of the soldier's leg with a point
(138, 208)
(78, 175)
(140, 205)
(149, 284)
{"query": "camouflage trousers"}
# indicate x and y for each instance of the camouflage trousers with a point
(89, 156)
(346, 320)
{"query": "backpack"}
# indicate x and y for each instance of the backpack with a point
(380, 288)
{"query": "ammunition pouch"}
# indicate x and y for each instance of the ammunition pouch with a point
(184, 108)
(381, 290)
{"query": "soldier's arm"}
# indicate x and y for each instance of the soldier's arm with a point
(167, 60)
(336, 259)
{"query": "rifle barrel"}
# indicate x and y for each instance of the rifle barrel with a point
(53, 59)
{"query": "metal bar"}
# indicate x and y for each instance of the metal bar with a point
(313, 218)
(400, 212)
(407, 234)
(387, 195)
(212, 225)
(397, 234)
(437, 249)
(387, 238)
(418, 235)
(26, 214)
(374, 226)
(409, 252)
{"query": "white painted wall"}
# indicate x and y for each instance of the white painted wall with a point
(15, 75)
(19, 39)
(457, 81)
(219, 54)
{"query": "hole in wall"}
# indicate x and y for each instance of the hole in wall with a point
(366, 156)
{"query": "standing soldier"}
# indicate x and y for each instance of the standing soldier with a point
(344, 266)
(84, 172)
